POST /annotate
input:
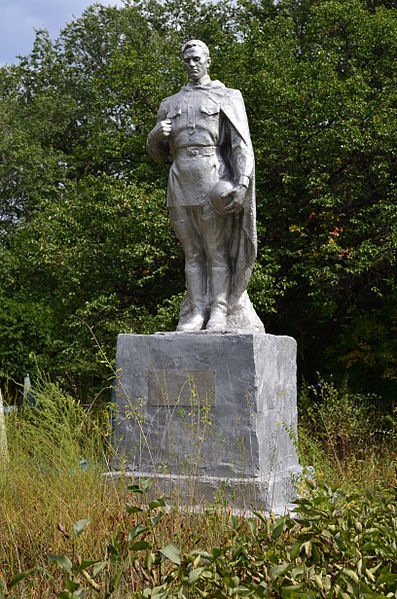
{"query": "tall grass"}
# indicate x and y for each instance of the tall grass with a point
(58, 452)
(53, 478)
(348, 441)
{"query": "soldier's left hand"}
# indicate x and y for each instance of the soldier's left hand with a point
(236, 204)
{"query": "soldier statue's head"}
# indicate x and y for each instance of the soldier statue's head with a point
(196, 58)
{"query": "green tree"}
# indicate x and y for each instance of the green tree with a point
(325, 138)
(84, 234)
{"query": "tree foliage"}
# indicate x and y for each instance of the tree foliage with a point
(85, 243)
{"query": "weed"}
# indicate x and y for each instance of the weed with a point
(66, 532)
(345, 438)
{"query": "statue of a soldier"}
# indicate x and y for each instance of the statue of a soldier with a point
(211, 195)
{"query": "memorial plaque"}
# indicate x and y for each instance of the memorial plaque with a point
(181, 387)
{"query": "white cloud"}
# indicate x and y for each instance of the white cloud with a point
(19, 19)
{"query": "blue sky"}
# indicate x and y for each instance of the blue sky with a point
(19, 19)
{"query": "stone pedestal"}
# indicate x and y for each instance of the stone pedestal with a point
(210, 416)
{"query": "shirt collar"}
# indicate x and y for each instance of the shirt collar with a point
(203, 82)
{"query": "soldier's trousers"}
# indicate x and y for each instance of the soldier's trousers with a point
(202, 234)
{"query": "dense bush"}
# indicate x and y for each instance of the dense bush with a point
(337, 545)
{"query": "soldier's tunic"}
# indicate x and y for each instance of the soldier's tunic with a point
(200, 132)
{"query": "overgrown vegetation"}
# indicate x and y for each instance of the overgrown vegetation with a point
(79, 535)
(84, 237)
(86, 251)
(346, 436)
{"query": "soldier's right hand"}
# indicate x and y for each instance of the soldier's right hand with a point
(165, 127)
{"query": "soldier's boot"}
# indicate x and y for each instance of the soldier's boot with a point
(220, 285)
(195, 289)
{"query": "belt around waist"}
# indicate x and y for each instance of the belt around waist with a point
(197, 150)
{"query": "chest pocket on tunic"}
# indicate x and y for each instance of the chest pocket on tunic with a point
(209, 117)
(209, 109)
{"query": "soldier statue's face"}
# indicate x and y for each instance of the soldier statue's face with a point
(196, 62)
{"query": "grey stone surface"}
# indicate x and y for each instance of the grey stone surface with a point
(211, 195)
(215, 413)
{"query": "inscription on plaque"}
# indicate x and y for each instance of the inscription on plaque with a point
(181, 387)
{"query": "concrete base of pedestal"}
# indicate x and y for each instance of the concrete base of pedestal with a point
(211, 417)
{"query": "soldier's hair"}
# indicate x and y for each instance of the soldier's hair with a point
(192, 43)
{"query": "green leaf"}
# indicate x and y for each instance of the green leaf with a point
(350, 573)
(114, 551)
(318, 582)
(149, 560)
(215, 553)
(137, 530)
(277, 571)
(261, 517)
(155, 593)
(71, 585)
(195, 574)
(277, 528)
(116, 580)
(387, 577)
(307, 547)
(80, 525)
(291, 592)
(139, 545)
(99, 566)
(156, 519)
(157, 503)
(295, 551)
(61, 560)
(135, 489)
(299, 571)
(146, 484)
(172, 553)
(316, 554)
(77, 568)
(18, 577)
(132, 509)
